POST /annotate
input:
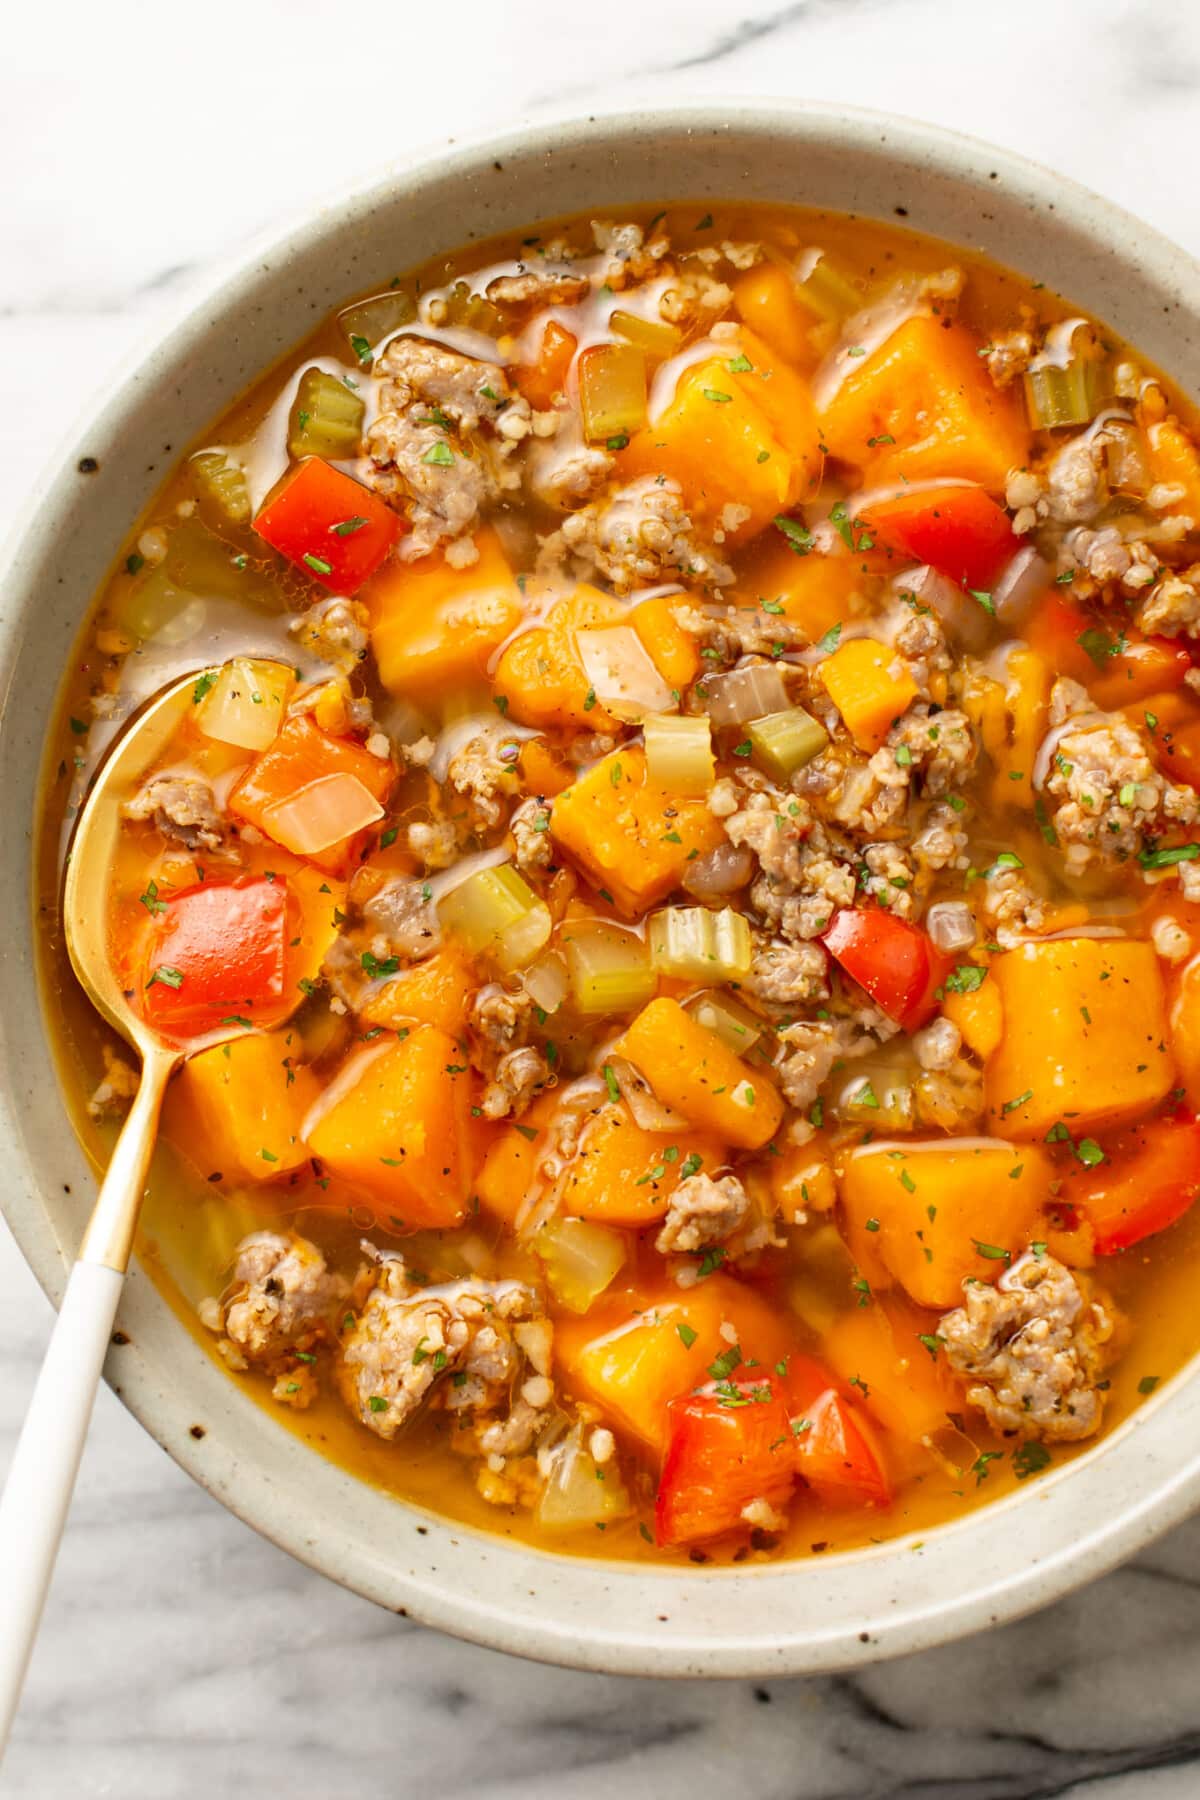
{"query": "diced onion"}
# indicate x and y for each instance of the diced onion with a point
(369, 322)
(696, 944)
(965, 620)
(160, 611)
(578, 1495)
(719, 871)
(496, 913)
(737, 1027)
(951, 925)
(612, 391)
(620, 671)
(679, 753)
(823, 288)
(581, 1259)
(322, 814)
(610, 968)
(749, 693)
(1025, 579)
(649, 1113)
(546, 981)
(785, 741)
(245, 704)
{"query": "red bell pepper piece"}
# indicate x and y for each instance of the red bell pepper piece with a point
(726, 1445)
(897, 963)
(329, 524)
(1115, 664)
(218, 950)
(960, 531)
(836, 1450)
(1149, 1178)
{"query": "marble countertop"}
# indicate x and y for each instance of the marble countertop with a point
(181, 1655)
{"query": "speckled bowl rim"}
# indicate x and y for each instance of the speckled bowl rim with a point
(791, 1618)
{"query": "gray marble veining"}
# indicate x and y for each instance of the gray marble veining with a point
(181, 1654)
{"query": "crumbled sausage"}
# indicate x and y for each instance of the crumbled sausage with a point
(182, 808)
(519, 1077)
(1172, 606)
(1110, 795)
(811, 1047)
(485, 771)
(790, 974)
(533, 847)
(638, 536)
(118, 1087)
(1033, 1349)
(702, 1211)
(282, 1292)
(405, 1340)
(537, 287)
(335, 630)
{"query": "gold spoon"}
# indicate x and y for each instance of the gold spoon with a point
(33, 1507)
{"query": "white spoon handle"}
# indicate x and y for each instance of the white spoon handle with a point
(37, 1495)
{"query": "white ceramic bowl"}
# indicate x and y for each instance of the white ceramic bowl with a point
(789, 1618)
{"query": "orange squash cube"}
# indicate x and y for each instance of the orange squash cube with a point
(301, 757)
(435, 628)
(400, 1129)
(433, 992)
(540, 678)
(923, 406)
(241, 1106)
(871, 686)
(694, 1073)
(632, 839)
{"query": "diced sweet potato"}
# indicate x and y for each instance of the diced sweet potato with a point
(542, 772)
(241, 1105)
(633, 839)
(511, 1163)
(1085, 1036)
(871, 686)
(764, 297)
(734, 437)
(400, 1128)
(923, 406)
(693, 1072)
(434, 992)
(931, 1206)
(434, 628)
(1176, 462)
(622, 1175)
(636, 1352)
(540, 678)
(815, 592)
(670, 648)
(979, 1016)
(877, 1350)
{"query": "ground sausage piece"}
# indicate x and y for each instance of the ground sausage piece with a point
(811, 1047)
(702, 1212)
(790, 974)
(405, 1340)
(181, 808)
(1109, 793)
(404, 920)
(520, 1076)
(530, 827)
(1033, 1349)
(485, 771)
(284, 1292)
(537, 287)
(637, 537)
(335, 630)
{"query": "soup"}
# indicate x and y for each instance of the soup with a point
(687, 809)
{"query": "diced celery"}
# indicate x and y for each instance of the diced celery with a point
(475, 311)
(695, 944)
(679, 753)
(244, 706)
(581, 1259)
(579, 1494)
(326, 418)
(495, 913)
(823, 288)
(784, 741)
(610, 968)
(220, 487)
(823, 1289)
(612, 391)
(369, 322)
(654, 336)
(1070, 395)
(736, 1026)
